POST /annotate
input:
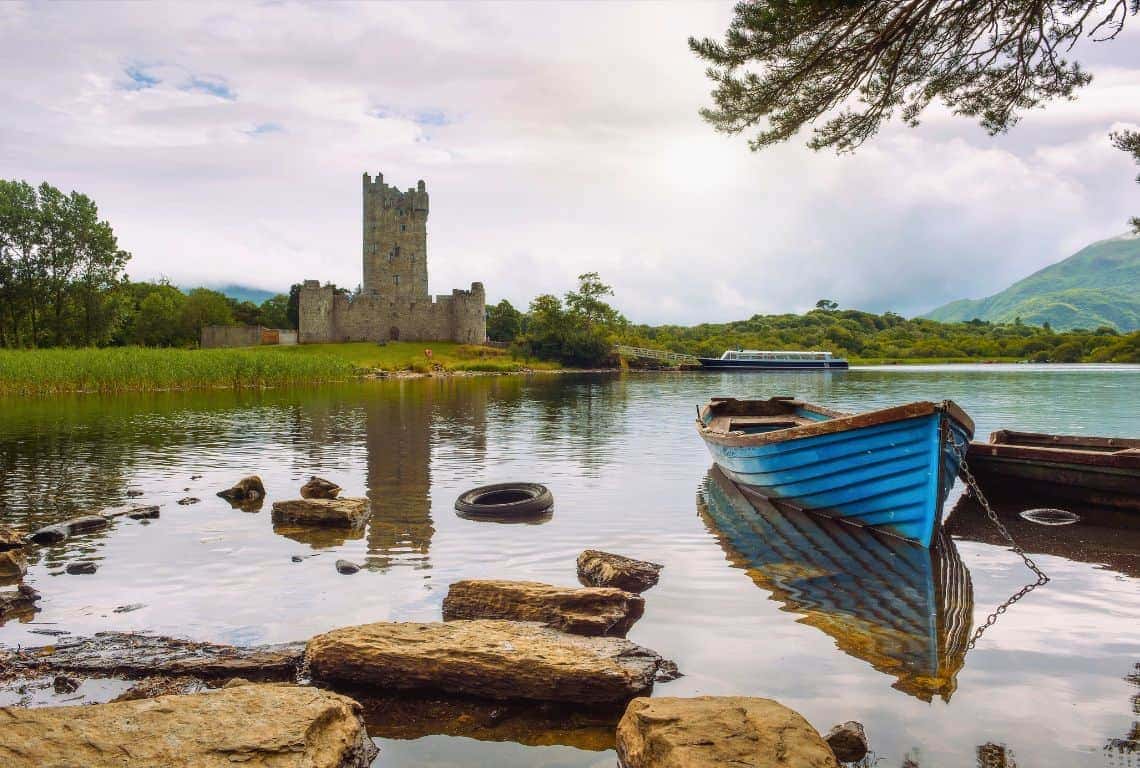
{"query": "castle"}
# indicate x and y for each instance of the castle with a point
(393, 303)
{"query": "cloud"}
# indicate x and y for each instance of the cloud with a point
(555, 139)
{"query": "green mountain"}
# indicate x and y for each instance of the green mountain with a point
(243, 292)
(1098, 285)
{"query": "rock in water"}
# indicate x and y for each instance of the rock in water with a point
(13, 565)
(848, 741)
(602, 569)
(76, 569)
(588, 611)
(10, 540)
(133, 655)
(490, 659)
(65, 684)
(246, 489)
(19, 603)
(186, 501)
(346, 567)
(143, 513)
(343, 513)
(276, 726)
(76, 525)
(319, 488)
(713, 731)
(153, 687)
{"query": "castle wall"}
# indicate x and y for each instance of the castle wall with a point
(393, 302)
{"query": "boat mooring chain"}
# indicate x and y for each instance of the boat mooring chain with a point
(972, 484)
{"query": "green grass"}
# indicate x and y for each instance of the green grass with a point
(127, 369)
(122, 369)
(410, 356)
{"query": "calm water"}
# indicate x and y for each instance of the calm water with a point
(1048, 683)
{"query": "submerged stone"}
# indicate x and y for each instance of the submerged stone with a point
(603, 569)
(13, 564)
(276, 726)
(138, 655)
(583, 611)
(346, 513)
(18, 603)
(52, 534)
(714, 731)
(848, 741)
(76, 569)
(489, 658)
(247, 489)
(319, 488)
(143, 513)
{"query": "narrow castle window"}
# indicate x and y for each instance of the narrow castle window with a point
(397, 251)
(397, 279)
(403, 227)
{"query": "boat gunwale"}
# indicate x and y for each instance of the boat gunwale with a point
(838, 422)
(1039, 455)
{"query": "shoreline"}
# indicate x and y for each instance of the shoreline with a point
(381, 374)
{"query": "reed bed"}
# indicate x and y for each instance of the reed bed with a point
(125, 369)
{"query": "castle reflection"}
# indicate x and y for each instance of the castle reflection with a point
(402, 427)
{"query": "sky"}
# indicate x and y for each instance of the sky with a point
(225, 143)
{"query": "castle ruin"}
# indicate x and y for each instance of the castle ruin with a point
(393, 303)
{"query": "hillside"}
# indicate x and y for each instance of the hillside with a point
(244, 292)
(1097, 286)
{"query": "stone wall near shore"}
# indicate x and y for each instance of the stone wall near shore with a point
(218, 336)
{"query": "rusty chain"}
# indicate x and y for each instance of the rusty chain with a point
(972, 484)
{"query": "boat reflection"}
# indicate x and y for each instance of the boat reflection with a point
(905, 610)
(1102, 537)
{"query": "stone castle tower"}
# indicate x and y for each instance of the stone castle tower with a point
(393, 303)
(395, 240)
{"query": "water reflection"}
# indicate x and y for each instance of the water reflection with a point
(905, 610)
(1102, 537)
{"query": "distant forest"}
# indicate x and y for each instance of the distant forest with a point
(63, 282)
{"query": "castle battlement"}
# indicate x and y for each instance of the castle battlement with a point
(394, 302)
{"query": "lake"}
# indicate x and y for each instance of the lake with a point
(1054, 682)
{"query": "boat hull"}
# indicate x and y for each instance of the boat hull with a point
(715, 363)
(1093, 471)
(892, 473)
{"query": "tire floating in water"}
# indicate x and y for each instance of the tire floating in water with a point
(506, 502)
(1048, 516)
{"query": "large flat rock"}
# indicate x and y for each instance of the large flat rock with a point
(266, 726)
(491, 659)
(137, 655)
(585, 611)
(344, 513)
(714, 731)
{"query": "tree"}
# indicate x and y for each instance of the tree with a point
(274, 312)
(504, 322)
(846, 67)
(159, 322)
(60, 267)
(587, 302)
(826, 305)
(1129, 141)
(205, 307)
(293, 310)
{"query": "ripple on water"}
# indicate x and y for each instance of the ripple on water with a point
(628, 475)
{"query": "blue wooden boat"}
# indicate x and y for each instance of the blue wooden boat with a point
(905, 610)
(890, 469)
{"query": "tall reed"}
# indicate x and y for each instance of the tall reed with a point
(122, 369)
